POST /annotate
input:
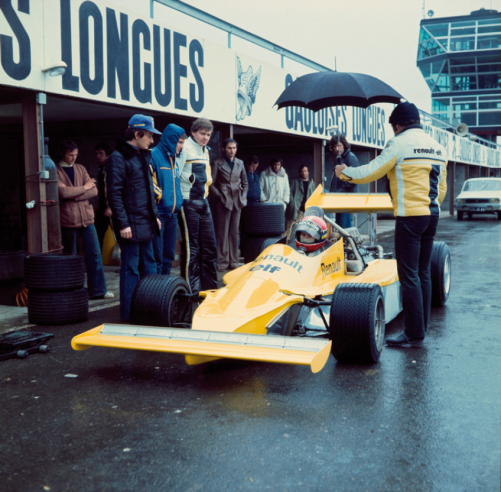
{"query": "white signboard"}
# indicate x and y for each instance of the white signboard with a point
(117, 56)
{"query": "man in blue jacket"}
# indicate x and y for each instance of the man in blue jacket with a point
(132, 201)
(169, 197)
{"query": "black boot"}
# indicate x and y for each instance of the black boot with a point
(404, 341)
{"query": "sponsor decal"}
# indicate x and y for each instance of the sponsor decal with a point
(280, 259)
(330, 268)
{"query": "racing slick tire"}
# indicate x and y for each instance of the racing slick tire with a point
(270, 242)
(262, 219)
(253, 246)
(58, 308)
(460, 215)
(54, 272)
(357, 323)
(440, 270)
(156, 301)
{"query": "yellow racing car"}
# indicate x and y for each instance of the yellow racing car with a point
(285, 306)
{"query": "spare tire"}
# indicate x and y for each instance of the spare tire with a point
(253, 246)
(54, 272)
(156, 302)
(58, 308)
(263, 219)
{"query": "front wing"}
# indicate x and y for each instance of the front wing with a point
(264, 348)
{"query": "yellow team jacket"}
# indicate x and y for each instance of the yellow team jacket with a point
(416, 166)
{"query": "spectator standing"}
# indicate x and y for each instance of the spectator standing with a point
(418, 184)
(132, 201)
(254, 194)
(167, 187)
(198, 257)
(301, 189)
(77, 216)
(103, 212)
(229, 187)
(341, 149)
(275, 183)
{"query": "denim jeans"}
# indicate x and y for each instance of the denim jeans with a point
(96, 283)
(343, 220)
(413, 246)
(164, 247)
(129, 270)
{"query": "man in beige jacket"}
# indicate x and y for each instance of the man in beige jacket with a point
(229, 188)
(77, 216)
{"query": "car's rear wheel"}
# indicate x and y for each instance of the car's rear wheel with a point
(357, 323)
(440, 273)
(161, 300)
(460, 215)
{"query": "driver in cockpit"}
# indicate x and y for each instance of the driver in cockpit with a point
(311, 236)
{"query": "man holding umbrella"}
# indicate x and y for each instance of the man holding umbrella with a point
(416, 166)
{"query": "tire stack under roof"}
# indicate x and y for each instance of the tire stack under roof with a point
(56, 293)
(258, 223)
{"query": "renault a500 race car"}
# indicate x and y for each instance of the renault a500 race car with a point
(284, 306)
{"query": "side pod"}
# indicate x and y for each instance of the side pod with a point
(265, 348)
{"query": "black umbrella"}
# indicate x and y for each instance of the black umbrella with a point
(325, 89)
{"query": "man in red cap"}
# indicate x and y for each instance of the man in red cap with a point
(416, 166)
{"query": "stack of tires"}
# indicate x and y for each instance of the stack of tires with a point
(260, 222)
(56, 293)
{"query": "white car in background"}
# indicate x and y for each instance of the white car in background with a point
(479, 196)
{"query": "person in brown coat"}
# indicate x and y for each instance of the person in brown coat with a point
(77, 216)
(229, 188)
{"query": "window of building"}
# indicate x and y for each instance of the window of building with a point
(490, 118)
(463, 24)
(438, 29)
(462, 31)
(489, 42)
(464, 83)
(489, 29)
(440, 105)
(490, 81)
(489, 21)
(466, 43)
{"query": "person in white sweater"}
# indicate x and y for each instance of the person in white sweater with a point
(275, 183)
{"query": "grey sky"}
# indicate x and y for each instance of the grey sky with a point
(368, 36)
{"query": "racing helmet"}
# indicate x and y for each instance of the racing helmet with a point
(316, 229)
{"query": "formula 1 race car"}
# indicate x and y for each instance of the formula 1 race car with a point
(284, 306)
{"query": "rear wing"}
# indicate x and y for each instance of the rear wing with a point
(350, 202)
(265, 348)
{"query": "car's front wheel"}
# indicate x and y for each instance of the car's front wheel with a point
(161, 300)
(460, 215)
(357, 323)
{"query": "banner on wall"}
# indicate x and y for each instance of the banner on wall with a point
(120, 57)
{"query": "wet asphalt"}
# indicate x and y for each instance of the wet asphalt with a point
(420, 420)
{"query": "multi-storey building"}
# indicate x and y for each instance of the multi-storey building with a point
(460, 59)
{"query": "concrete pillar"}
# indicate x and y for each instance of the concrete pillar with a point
(452, 182)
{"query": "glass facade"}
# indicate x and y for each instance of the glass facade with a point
(463, 55)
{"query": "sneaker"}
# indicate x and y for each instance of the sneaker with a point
(404, 341)
(108, 295)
